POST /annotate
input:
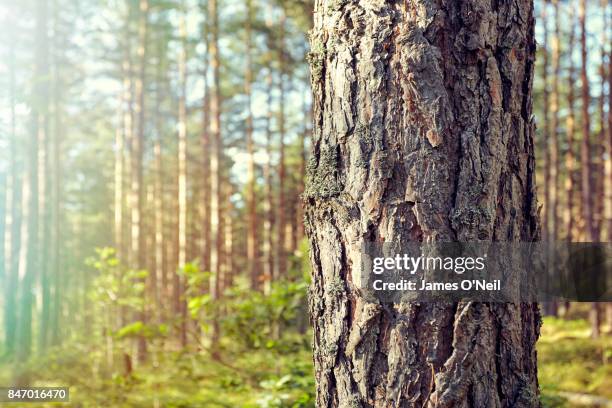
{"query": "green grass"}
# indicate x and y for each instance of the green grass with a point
(570, 361)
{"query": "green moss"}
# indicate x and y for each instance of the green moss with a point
(316, 59)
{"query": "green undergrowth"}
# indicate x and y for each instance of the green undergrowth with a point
(569, 361)
(262, 378)
(277, 373)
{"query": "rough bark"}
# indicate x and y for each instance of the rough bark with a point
(423, 131)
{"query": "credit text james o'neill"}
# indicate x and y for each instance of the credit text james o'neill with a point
(410, 264)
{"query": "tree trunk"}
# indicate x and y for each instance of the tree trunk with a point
(545, 124)
(29, 255)
(205, 200)
(119, 173)
(422, 131)
(585, 149)
(299, 212)
(268, 206)
(252, 255)
(11, 220)
(57, 176)
(125, 251)
(609, 144)
(137, 188)
(44, 217)
(215, 170)
(44, 232)
(281, 256)
(554, 143)
(606, 131)
(609, 164)
(585, 155)
(551, 308)
(182, 167)
(159, 191)
(570, 125)
(268, 227)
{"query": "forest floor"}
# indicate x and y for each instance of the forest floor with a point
(574, 370)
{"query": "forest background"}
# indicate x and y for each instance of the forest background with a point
(153, 154)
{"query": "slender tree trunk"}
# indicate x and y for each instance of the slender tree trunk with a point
(552, 215)
(268, 206)
(215, 170)
(137, 190)
(30, 232)
(609, 164)
(281, 256)
(422, 131)
(585, 154)
(125, 251)
(122, 137)
(119, 182)
(554, 107)
(158, 194)
(585, 150)
(44, 218)
(600, 166)
(299, 213)
(11, 224)
(205, 199)
(44, 230)
(228, 238)
(609, 142)
(252, 255)
(606, 130)
(182, 165)
(159, 191)
(57, 184)
(570, 125)
(545, 124)
(268, 244)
